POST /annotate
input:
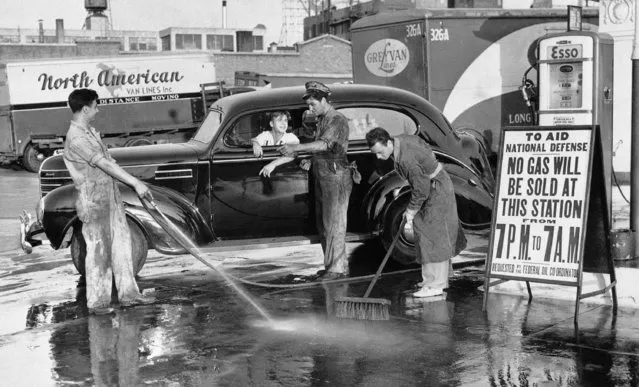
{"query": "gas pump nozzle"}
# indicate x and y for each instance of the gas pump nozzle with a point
(528, 91)
(524, 94)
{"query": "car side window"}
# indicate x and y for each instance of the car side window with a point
(249, 126)
(362, 119)
(243, 130)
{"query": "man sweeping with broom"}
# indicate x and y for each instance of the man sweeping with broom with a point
(431, 215)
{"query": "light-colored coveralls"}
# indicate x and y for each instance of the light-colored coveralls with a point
(104, 227)
(333, 186)
(438, 234)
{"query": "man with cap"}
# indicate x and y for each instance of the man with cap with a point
(333, 177)
(431, 216)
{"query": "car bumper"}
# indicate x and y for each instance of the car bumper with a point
(29, 228)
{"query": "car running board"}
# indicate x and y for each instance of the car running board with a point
(262, 243)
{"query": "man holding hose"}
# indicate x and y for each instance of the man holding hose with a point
(99, 206)
(431, 215)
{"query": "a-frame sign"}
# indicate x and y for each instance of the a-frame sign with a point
(551, 220)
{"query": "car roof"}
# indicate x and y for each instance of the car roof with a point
(340, 94)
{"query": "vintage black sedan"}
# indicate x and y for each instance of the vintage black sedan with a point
(210, 186)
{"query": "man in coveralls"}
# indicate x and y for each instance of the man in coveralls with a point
(431, 215)
(99, 206)
(333, 177)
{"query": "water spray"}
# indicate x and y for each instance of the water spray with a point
(185, 242)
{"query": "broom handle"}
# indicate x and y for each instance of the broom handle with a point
(388, 253)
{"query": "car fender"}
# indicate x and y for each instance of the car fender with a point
(60, 216)
(378, 198)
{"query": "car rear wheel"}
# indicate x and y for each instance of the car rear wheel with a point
(404, 250)
(138, 239)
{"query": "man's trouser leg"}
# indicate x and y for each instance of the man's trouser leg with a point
(97, 265)
(333, 191)
(435, 274)
(121, 257)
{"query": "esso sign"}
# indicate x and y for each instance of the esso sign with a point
(565, 52)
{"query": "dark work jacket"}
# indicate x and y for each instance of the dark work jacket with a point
(438, 234)
(332, 128)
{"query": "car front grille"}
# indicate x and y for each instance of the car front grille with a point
(52, 180)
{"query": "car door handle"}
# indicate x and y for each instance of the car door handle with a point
(472, 182)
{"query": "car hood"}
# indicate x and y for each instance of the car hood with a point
(147, 154)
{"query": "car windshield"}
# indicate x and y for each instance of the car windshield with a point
(209, 127)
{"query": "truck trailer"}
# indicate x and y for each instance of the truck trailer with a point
(143, 100)
(470, 63)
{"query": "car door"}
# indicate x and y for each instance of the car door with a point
(245, 204)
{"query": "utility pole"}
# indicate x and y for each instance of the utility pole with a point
(330, 13)
(634, 141)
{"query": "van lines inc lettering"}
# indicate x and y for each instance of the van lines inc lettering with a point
(108, 78)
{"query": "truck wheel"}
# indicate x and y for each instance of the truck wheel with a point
(404, 251)
(138, 239)
(32, 158)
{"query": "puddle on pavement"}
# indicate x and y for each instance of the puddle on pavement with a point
(201, 333)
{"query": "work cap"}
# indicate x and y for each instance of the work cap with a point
(316, 89)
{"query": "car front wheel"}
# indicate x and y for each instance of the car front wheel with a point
(138, 241)
(404, 250)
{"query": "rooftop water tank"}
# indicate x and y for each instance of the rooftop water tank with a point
(95, 5)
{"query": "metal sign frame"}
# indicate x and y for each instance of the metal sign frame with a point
(574, 18)
(594, 169)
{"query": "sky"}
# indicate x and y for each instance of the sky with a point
(147, 15)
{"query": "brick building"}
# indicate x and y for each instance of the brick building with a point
(325, 58)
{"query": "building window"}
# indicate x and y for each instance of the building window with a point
(166, 43)
(258, 43)
(188, 41)
(142, 44)
(10, 39)
(219, 42)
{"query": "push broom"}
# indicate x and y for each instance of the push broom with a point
(364, 308)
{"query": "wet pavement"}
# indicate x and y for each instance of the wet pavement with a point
(199, 332)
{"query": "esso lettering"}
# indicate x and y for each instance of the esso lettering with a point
(564, 53)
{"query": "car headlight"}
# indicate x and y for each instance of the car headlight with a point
(40, 210)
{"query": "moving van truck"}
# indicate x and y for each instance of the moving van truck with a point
(467, 62)
(143, 100)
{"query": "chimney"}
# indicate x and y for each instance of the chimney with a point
(59, 30)
(223, 13)
(40, 31)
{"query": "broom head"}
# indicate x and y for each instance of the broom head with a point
(362, 308)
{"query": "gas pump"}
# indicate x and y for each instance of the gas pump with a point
(575, 81)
